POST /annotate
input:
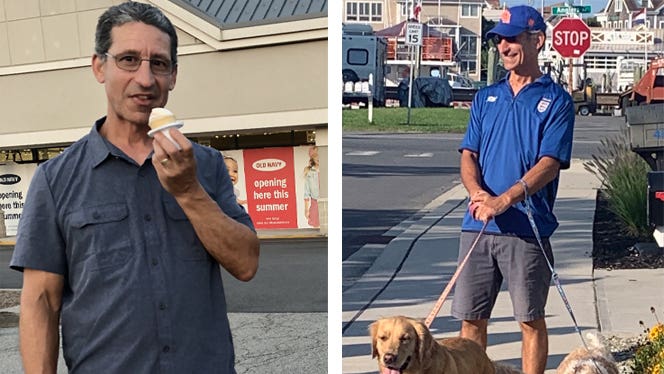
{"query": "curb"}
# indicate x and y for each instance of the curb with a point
(397, 250)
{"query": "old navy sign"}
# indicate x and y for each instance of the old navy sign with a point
(8, 179)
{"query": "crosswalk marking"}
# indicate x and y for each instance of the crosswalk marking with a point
(362, 153)
(419, 155)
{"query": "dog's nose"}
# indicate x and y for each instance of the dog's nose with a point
(389, 358)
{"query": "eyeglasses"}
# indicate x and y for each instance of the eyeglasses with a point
(512, 39)
(132, 62)
(499, 38)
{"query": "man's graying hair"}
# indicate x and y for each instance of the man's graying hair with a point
(132, 12)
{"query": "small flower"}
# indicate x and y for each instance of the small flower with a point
(657, 369)
(656, 332)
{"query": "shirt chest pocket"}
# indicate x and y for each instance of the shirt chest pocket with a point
(100, 236)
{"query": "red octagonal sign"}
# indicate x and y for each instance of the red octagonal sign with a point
(571, 37)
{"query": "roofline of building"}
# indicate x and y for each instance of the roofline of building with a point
(288, 31)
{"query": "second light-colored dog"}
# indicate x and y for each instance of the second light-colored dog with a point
(595, 360)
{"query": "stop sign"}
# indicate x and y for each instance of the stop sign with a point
(571, 37)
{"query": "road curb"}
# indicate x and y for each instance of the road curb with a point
(387, 264)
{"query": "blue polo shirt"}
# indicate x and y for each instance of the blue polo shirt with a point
(141, 293)
(511, 134)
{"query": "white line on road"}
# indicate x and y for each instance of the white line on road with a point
(362, 153)
(421, 155)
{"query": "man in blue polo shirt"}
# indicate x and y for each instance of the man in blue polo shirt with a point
(519, 137)
(123, 235)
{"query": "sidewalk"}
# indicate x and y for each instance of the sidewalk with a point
(609, 301)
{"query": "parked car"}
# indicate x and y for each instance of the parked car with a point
(459, 81)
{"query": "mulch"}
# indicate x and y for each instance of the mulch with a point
(614, 248)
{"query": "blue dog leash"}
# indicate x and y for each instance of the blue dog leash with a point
(554, 275)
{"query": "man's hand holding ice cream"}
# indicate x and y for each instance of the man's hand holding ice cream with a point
(173, 157)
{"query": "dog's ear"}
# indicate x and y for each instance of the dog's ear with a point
(425, 342)
(373, 330)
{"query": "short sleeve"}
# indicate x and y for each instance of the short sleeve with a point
(558, 133)
(472, 138)
(39, 241)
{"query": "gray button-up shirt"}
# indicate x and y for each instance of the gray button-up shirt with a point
(141, 293)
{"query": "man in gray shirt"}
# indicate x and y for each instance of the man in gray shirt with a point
(122, 235)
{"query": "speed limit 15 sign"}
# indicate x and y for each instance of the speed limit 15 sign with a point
(414, 33)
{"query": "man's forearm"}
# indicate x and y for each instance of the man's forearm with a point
(470, 172)
(39, 335)
(536, 178)
(231, 243)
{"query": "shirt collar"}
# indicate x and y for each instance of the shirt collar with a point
(100, 149)
(544, 79)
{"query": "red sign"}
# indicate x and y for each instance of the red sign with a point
(269, 176)
(571, 37)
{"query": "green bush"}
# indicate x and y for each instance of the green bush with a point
(623, 174)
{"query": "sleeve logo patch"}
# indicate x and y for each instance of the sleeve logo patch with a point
(491, 99)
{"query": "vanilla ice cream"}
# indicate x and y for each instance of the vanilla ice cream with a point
(161, 120)
(160, 117)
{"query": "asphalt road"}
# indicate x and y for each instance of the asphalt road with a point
(388, 178)
(292, 277)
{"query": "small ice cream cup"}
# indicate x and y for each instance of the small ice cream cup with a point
(161, 120)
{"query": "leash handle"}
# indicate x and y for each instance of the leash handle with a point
(439, 303)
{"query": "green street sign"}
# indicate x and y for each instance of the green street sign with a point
(574, 9)
(582, 8)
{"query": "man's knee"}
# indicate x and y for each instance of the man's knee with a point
(535, 326)
(479, 324)
(475, 330)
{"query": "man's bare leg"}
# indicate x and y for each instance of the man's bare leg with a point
(535, 346)
(475, 330)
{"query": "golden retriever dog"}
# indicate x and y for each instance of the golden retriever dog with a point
(405, 346)
(594, 360)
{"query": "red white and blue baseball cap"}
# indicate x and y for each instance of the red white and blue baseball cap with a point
(517, 19)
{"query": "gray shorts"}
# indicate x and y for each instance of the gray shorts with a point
(519, 261)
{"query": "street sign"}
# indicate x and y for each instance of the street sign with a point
(573, 9)
(414, 33)
(571, 37)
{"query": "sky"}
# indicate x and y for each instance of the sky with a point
(596, 5)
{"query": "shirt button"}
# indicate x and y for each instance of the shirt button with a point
(148, 217)
(154, 262)
(166, 349)
(96, 215)
(162, 306)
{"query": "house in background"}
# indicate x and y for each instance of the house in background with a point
(459, 20)
(629, 14)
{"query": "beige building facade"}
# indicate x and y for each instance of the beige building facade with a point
(258, 84)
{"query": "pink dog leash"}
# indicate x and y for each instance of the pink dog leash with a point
(448, 288)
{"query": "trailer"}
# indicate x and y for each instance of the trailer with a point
(363, 59)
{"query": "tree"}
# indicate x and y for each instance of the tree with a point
(486, 44)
